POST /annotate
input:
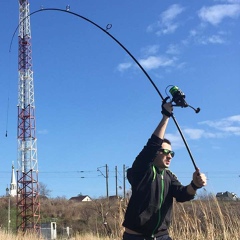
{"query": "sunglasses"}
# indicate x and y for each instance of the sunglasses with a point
(166, 152)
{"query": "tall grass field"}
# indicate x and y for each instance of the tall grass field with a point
(207, 219)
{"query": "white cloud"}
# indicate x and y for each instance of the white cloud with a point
(171, 13)
(198, 37)
(150, 62)
(194, 133)
(201, 133)
(167, 24)
(218, 129)
(43, 132)
(167, 29)
(215, 14)
(235, 118)
(173, 49)
(230, 125)
(124, 66)
(150, 50)
(153, 62)
(216, 39)
(193, 33)
(181, 65)
(228, 1)
(233, 130)
(176, 140)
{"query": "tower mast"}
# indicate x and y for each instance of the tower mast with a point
(28, 206)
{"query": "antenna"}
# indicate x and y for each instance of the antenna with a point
(28, 206)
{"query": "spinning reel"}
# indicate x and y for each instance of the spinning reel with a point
(178, 97)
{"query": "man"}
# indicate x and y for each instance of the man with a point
(149, 210)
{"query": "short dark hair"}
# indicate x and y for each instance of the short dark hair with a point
(167, 141)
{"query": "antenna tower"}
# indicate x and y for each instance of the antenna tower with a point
(28, 206)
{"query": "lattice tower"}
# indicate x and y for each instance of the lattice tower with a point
(28, 206)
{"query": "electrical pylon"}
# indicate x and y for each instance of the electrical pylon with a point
(28, 206)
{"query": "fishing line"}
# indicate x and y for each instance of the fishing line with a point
(8, 99)
(6, 134)
(124, 48)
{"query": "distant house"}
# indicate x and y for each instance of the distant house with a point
(81, 198)
(227, 196)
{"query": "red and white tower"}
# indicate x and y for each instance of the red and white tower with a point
(28, 206)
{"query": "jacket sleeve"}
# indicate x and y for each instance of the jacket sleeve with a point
(148, 153)
(142, 163)
(179, 192)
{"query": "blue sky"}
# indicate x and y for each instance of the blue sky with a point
(94, 106)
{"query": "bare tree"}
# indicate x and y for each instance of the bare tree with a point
(43, 190)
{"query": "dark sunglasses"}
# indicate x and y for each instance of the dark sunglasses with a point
(166, 152)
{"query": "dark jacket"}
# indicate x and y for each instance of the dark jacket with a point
(150, 206)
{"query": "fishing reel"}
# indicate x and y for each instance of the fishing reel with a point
(178, 97)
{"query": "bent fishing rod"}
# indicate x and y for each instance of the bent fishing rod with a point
(178, 97)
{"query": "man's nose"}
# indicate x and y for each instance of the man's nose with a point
(169, 155)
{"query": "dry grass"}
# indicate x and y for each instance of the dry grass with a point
(205, 219)
(91, 237)
(208, 219)
(11, 236)
(6, 236)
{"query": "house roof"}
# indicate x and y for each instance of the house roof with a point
(79, 198)
(226, 195)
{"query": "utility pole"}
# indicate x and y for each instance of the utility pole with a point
(116, 178)
(107, 180)
(105, 176)
(9, 209)
(124, 181)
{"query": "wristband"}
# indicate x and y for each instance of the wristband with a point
(195, 187)
(165, 112)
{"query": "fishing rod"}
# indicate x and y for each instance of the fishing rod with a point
(177, 95)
